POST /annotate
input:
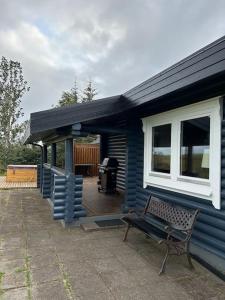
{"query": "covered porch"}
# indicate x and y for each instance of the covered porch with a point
(74, 196)
(71, 195)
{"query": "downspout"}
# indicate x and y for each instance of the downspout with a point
(41, 162)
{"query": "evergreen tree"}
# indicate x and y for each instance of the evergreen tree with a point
(69, 97)
(89, 92)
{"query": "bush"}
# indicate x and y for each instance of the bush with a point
(21, 155)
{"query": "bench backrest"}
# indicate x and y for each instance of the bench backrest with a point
(176, 216)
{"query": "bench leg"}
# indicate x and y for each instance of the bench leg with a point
(126, 233)
(190, 261)
(189, 256)
(163, 266)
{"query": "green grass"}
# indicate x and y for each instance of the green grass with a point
(28, 276)
(20, 270)
(1, 277)
(2, 173)
(66, 283)
(65, 279)
(2, 274)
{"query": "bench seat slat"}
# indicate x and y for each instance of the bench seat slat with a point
(146, 227)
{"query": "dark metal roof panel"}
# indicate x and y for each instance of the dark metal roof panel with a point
(64, 116)
(201, 65)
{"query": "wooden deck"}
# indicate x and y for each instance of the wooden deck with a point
(100, 203)
(15, 185)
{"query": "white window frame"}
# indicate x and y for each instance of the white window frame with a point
(209, 189)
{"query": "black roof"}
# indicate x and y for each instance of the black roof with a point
(75, 113)
(43, 123)
(202, 65)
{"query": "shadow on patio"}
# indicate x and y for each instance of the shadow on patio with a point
(42, 260)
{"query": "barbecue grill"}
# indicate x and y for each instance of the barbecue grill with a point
(107, 175)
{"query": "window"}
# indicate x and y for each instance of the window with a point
(161, 149)
(182, 150)
(194, 157)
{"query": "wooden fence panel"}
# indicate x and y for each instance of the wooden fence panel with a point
(87, 154)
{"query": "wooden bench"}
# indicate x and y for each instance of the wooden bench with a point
(174, 227)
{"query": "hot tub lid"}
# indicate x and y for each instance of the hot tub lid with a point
(22, 167)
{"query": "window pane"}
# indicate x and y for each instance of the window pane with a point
(195, 147)
(161, 149)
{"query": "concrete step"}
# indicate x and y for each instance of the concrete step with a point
(95, 226)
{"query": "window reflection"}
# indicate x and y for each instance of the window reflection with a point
(161, 150)
(195, 136)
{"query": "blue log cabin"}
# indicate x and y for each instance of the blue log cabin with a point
(168, 134)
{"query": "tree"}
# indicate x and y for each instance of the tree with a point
(12, 88)
(69, 97)
(89, 92)
(27, 155)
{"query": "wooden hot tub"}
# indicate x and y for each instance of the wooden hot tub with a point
(21, 173)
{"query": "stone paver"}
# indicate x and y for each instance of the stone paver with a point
(41, 260)
(49, 290)
(15, 294)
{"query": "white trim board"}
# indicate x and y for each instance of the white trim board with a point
(209, 189)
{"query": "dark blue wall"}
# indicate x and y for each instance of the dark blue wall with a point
(208, 241)
(116, 147)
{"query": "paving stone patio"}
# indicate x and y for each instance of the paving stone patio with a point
(39, 259)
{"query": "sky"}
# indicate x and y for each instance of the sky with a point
(115, 43)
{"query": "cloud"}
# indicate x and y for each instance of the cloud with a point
(116, 43)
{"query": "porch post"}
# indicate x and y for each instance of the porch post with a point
(46, 178)
(45, 154)
(41, 168)
(70, 181)
(53, 154)
(69, 164)
(53, 164)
